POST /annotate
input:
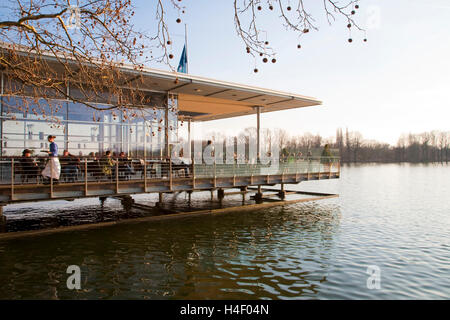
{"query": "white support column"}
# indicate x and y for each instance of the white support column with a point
(66, 133)
(258, 132)
(189, 150)
(145, 140)
(166, 128)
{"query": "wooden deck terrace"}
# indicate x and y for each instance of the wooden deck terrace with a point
(20, 184)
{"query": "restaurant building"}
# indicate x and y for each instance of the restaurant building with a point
(146, 138)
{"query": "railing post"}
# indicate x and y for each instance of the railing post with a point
(145, 175)
(308, 168)
(318, 175)
(329, 169)
(215, 172)
(51, 177)
(193, 172)
(117, 175)
(339, 168)
(12, 178)
(170, 173)
(85, 177)
(249, 165)
(234, 173)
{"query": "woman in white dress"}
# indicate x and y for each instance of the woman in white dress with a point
(53, 167)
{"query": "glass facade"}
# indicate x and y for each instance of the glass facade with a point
(26, 123)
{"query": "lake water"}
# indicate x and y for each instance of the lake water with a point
(393, 218)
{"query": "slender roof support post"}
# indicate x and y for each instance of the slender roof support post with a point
(66, 125)
(166, 128)
(145, 139)
(258, 133)
(189, 150)
(12, 178)
(85, 177)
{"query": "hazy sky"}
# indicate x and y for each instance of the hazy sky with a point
(397, 82)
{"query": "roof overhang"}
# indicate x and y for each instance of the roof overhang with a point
(212, 99)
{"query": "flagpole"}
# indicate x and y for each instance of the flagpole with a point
(186, 44)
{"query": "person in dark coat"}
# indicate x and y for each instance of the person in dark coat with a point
(69, 166)
(28, 167)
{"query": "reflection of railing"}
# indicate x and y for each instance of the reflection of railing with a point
(15, 171)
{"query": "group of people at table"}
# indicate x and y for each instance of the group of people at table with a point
(68, 166)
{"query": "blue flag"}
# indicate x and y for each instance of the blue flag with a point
(182, 66)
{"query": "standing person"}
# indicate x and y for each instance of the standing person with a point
(53, 167)
(309, 157)
(326, 157)
(209, 153)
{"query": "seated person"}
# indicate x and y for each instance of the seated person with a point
(93, 166)
(125, 166)
(69, 166)
(181, 164)
(28, 167)
(107, 165)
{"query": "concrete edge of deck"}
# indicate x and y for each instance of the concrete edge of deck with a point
(247, 207)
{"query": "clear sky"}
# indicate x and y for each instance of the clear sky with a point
(398, 82)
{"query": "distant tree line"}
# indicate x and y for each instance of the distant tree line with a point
(431, 146)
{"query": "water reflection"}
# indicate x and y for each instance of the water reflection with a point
(280, 253)
(392, 216)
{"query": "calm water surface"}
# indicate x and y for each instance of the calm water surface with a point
(396, 217)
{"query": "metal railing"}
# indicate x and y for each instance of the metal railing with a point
(28, 170)
(303, 165)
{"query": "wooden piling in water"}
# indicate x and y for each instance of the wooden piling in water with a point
(258, 195)
(282, 193)
(102, 201)
(220, 194)
(244, 191)
(159, 204)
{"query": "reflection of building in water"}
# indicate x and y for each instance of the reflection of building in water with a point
(77, 128)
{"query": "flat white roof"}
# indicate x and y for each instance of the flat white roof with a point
(214, 99)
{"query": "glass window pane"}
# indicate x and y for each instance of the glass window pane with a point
(23, 129)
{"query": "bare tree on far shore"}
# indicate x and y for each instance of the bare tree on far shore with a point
(351, 146)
